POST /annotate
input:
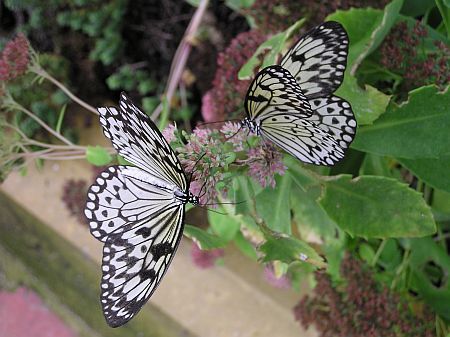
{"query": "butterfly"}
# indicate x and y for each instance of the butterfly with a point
(137, 211)
(291, 104)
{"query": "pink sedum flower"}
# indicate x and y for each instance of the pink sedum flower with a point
(234, 134)
(205, 258)
(264, 162)
(169, 133)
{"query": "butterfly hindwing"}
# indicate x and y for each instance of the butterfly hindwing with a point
(318, 60)
(302, 138)
(134, 261)
(334, 115)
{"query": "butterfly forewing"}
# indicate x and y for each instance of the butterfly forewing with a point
(274, 90)
(318, 60)
(139, 141)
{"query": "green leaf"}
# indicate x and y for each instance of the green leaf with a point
(309, 215)
(204, 240)
(411, 130)
(225, 226)
(367, 103)
(288, 250)
(428, 261)
(366, 28)
(238, 5)
(98, 155)
(243, 191)
(444, 9)
(301, 176)
(435, 172)
(245, 246)
(366, 252)
(273, 205)
(376, 207)
(415, 8)
(60, 118)
(164, 118)
(391, 256)
(271, 49)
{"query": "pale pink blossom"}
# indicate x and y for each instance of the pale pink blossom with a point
(169, 133)
(264, 162)
(205, 258)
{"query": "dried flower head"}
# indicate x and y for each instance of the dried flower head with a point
(264, 162)
(74, 197)
(205, 258)
(401, 53)
(15, 58)
(362, 308)
(228, 91)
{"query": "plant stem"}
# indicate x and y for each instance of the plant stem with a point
(378, 253)
(41, 72)
(44, 125)
(181, 56)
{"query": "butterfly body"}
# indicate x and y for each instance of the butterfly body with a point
(292, 105)
(137, 211)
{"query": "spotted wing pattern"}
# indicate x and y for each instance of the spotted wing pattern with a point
(334, 115)
(318, 59)
(137, 212)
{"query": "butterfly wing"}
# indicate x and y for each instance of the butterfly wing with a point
(299, 136)
(318, 59)
(274, 90)
(334, 115)
(139, 141)
(141, 225)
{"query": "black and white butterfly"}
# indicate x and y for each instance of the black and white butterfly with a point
(137, 211)
(292, 105)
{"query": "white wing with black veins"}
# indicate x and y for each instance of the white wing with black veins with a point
(318, 60)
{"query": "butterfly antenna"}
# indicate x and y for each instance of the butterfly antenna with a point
(217, 122)
(211, 210)
(195, 167)
(234, 134)
(225, 203)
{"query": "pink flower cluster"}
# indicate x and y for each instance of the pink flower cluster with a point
(15, 58)
(264, 162)
(206, 157)
(228, 91)
(205, 258)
